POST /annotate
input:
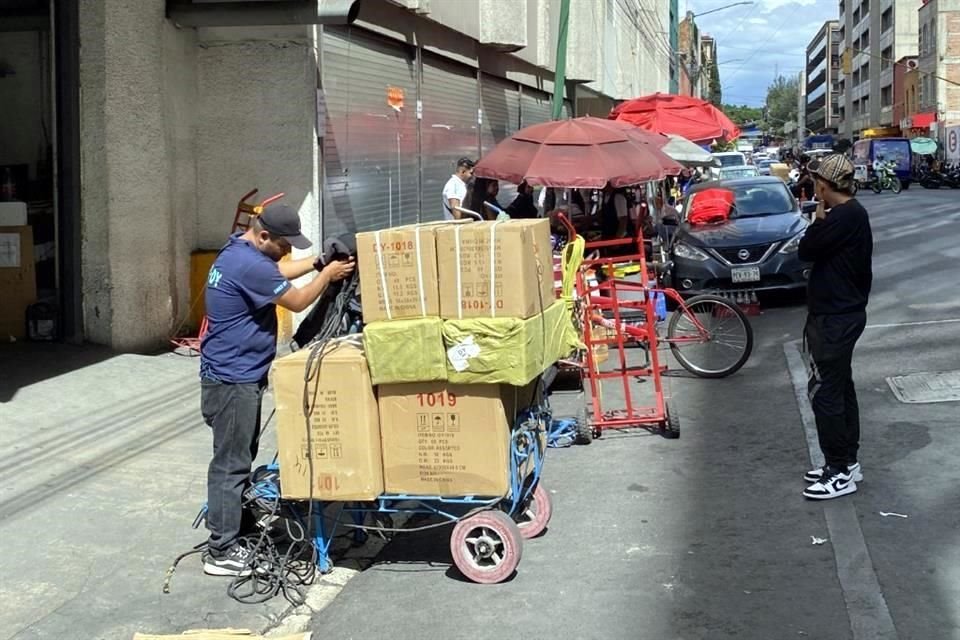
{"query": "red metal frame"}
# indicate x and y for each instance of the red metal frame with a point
(243, 208)
(605, 296)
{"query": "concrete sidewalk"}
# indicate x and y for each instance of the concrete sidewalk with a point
(105, 470)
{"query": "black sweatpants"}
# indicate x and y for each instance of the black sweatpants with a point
(232, 411)
(829, 341)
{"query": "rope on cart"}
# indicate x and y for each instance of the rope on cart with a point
(562, 433)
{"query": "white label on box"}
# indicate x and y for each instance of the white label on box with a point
(460, 354)
(10, 250)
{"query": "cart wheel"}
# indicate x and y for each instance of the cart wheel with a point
(533, 520)
(671, 426)
(486, 547)
(584, 430)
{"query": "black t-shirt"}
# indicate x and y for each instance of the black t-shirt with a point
(841, 250)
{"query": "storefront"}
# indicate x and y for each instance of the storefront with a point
(918, 125)
(39, 169)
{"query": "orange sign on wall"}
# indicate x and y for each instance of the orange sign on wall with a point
(395, 97)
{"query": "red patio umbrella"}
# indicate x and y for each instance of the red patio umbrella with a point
(692, 118)
(583, 152)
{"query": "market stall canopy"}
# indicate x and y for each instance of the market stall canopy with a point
(688, 153)
(583, 152)
(692, 118)
(923, 146)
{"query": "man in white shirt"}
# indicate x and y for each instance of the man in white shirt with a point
(455, 191)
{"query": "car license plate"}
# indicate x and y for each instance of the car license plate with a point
(745, 274)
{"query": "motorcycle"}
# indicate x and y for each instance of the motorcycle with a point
(927, 178)
(885, 178)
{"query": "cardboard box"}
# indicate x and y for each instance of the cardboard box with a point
(344, 426)
(446, 440)
(405, 259)
(18, 280)
(520, 283)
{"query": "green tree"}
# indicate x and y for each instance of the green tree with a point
(716, 93)
(742, 114)
(781, 105)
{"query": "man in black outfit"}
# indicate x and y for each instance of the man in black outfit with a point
(839, 243)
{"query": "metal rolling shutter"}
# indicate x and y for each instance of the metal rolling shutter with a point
(448, 128)
(500, 102)
(368, 185)
(534, 107)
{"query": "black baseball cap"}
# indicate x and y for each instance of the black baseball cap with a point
(281, 220)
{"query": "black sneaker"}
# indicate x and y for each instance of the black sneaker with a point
(237, 562)
(854, 469)
(833, 483)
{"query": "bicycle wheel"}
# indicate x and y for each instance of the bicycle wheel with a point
(895, 184)
(711, 338)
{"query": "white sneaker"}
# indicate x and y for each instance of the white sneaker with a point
(833, 483)
(815, 474)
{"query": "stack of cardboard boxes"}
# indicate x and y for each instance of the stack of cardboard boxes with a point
(460, 319)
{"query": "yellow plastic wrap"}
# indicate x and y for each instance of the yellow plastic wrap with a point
(408, 350)
(507, 350)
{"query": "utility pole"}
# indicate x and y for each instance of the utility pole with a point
(560, 73)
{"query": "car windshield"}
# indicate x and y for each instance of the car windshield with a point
(757, 200)
(730, 161)
(764, 163)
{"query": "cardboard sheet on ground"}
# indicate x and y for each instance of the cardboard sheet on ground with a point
(220, 634)
(400, 351)
(507, 350)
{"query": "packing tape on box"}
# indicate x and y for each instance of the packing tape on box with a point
(493, 270)
(383, 272)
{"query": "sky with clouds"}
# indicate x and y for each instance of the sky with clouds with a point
(755, 42)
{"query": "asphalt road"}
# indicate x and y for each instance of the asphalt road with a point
(708, 537)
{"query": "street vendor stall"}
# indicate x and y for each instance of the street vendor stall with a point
(609, 308)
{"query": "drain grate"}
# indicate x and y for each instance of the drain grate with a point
(938, 386)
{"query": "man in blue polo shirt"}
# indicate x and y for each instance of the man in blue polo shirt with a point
(245, 283)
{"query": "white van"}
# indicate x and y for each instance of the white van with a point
(727, 159)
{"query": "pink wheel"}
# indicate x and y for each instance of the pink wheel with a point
(486, 547)
(534, 519)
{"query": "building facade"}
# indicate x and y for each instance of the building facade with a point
(906, 108)
(709, 72)
(939, 66)
(822, 82)
(689, 54)
(154, 119)
(875, 33)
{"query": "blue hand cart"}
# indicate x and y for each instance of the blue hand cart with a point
(486, 542)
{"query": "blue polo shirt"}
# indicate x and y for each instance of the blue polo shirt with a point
(241, 338)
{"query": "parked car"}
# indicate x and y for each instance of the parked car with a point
(763, 166)
(755, 249)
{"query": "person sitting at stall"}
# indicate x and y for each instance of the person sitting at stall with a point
(523, 206)
(485, 191)
(614, 213)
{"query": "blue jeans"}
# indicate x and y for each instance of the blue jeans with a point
(232, 411)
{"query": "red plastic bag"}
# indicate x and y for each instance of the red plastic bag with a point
(710, 206)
